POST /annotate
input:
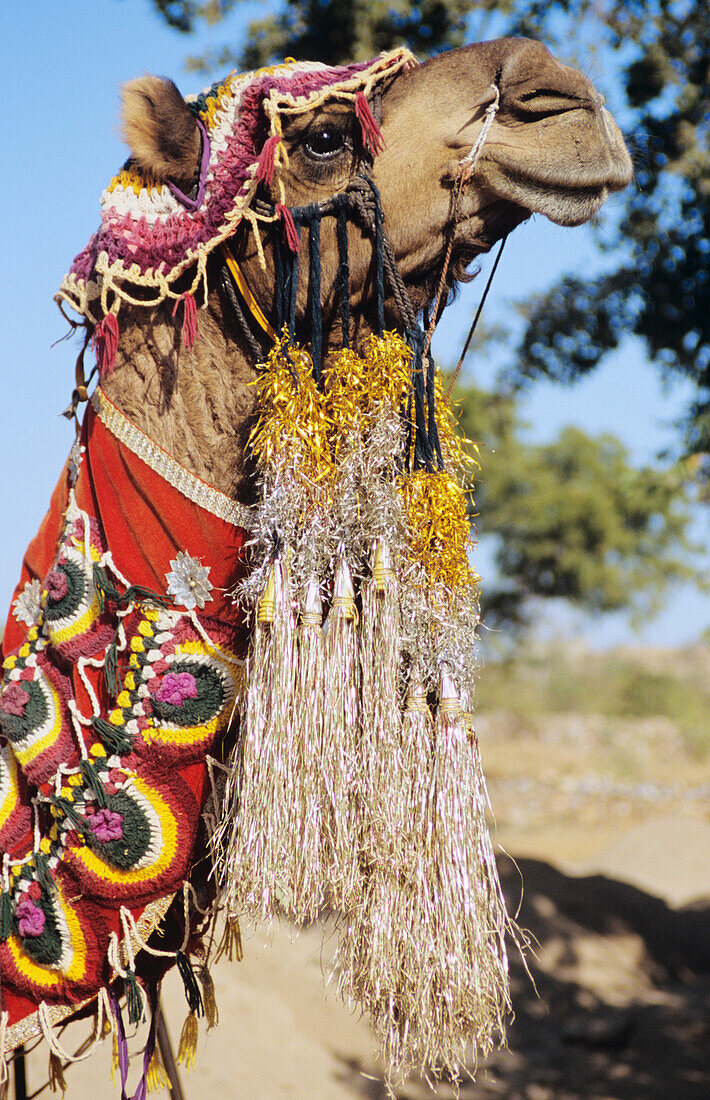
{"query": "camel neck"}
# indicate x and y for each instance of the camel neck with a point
(196, 404)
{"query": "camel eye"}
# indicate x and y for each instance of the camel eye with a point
(325, 142)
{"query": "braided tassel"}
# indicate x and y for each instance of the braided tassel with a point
(105, 344)
(208, 996)
(267, 160)
(134, 1001)
(156, 1077)
(230, 944)
(187, 1047)
(190, 330)
(189, 981)
(291, 236)
(371, 134)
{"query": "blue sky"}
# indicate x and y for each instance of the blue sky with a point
(62, 66)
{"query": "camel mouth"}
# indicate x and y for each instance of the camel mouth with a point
(567, 201)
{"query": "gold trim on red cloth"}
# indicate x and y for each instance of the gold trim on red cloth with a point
(163, 464)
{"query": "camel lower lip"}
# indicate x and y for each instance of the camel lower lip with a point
(562, 202)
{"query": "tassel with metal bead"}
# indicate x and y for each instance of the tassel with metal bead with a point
(341, 742)
(306, 764)
(368, 962)
(462, 910)
(383, 956)
(380, 751)
(258, 811)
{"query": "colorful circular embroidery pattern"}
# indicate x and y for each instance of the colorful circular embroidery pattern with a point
(33, 712)
(73, 617)
(15, 810)
(106, 709)
(53, 950)
(179, 690)
(138, 844)
(192, 699)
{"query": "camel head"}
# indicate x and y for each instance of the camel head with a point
(233, 168)
(552, 149)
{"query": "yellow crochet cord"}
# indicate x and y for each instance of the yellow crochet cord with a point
(243, 286)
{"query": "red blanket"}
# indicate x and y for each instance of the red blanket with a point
(123, 657)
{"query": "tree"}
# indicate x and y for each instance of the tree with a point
(660, 289)
(573, 519)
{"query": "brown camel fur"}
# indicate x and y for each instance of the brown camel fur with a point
(553, 149)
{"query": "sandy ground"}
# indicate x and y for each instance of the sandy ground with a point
(616, 896)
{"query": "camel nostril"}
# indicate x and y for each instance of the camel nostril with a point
(545, 102)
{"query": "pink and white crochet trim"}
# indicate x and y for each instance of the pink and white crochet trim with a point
(149, 236)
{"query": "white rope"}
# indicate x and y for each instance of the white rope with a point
(53, 1041)
(215, 650)
(468, 163)
(127, 943)
(107, 1009)
(130, 928)
(114, 957)
(77, 724)
(6, 871)
(114, 952)
(186, 914)
(95, 705)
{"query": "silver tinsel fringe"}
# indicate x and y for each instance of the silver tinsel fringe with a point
(356, 781)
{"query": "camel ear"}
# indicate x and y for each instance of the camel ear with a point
(160, 128)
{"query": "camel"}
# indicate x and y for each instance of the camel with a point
(238, 557)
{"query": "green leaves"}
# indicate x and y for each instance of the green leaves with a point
(660, 290)
(573, 518)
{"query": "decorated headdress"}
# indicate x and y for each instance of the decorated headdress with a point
(151, 233)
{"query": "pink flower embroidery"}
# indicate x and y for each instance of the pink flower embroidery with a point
(30, 918)
(176, 688)
(56, 585)
(106, 825)
(14, 700)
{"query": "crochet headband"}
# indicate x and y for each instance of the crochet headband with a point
(151, 234)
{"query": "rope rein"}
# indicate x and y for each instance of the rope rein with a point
(466, 168)
(361, 203)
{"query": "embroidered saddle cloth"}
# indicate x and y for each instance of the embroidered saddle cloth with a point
(123, 658)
